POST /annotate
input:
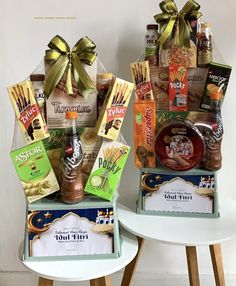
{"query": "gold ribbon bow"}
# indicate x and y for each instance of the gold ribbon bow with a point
(62, 59)
(170, 16)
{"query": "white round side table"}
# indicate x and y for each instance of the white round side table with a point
(188, 232)
(95, 270)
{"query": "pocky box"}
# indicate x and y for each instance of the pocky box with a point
(35, 171)
(141, 78)
(27, 111)
(216, 83)
(144, 134)
(106, 173)
(178, 88)
(114, 109)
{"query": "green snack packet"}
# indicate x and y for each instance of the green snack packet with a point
(106, 173)
(35, 171)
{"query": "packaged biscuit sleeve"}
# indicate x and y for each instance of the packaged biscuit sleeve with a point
(27, 111)
(144, 134)
(34, 171)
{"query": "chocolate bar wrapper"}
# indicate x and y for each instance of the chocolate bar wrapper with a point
(114, 109)
(35, 171)
(178, 88)
(106, 173)
(27, 112)
(140, 72)
(216, 82)
(85, 103)
(144, 134)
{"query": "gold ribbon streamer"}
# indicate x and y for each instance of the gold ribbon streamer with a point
(170, 17)
(61, 59)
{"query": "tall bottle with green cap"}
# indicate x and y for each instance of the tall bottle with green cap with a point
(72, 186)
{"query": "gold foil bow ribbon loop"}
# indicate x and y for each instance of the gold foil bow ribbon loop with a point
(63, 60)
(170, 18)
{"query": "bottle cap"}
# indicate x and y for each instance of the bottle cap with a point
(37, 77)
(205, 26)
(72, 115)
(152, 27)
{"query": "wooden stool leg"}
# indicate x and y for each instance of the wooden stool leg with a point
(102, 281)
(130, 268)
(217, 263)
(191, 253)
(45, 282)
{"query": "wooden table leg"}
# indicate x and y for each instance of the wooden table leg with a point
(217, 264)
(45, 282)
(102, 281)
(191, 253)
(130, 268)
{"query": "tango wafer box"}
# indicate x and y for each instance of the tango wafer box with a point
(114, 109)
(34, 171)
(27, 111)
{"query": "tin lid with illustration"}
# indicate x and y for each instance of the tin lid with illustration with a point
(179, 146)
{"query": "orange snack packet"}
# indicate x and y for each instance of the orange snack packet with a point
(144, 134)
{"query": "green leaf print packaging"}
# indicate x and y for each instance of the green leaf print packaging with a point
(106, 173)
(35, 171)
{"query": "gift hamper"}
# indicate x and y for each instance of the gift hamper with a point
(70, 113)
(178, 128)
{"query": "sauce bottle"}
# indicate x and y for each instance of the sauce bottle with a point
(204, 47)
(72, 185)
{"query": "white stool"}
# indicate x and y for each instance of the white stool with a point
(189, 232)
(95, 270)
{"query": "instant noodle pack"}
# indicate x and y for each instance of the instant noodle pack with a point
(70, 116)
(178, 128)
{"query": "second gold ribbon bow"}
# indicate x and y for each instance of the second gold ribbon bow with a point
(170, 17)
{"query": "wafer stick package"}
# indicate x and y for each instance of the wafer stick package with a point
(27, 111)
(144, 134)
(141, 77)
(114, 109)
(35, 171)
(106, 173)
(178, 88)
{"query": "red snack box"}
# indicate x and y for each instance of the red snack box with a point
(178, 88)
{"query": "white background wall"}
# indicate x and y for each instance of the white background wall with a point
(118, 28)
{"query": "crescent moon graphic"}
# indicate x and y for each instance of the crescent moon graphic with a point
(31, 226)
(146, 187)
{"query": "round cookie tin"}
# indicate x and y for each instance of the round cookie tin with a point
(179, 146)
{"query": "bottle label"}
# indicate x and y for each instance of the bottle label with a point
(72, 159)
(211, 138)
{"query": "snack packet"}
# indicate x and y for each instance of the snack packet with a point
(144, 134)
(27, 112)
(114, 109)
(141, 78)
(35, 171)
(106, 173)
